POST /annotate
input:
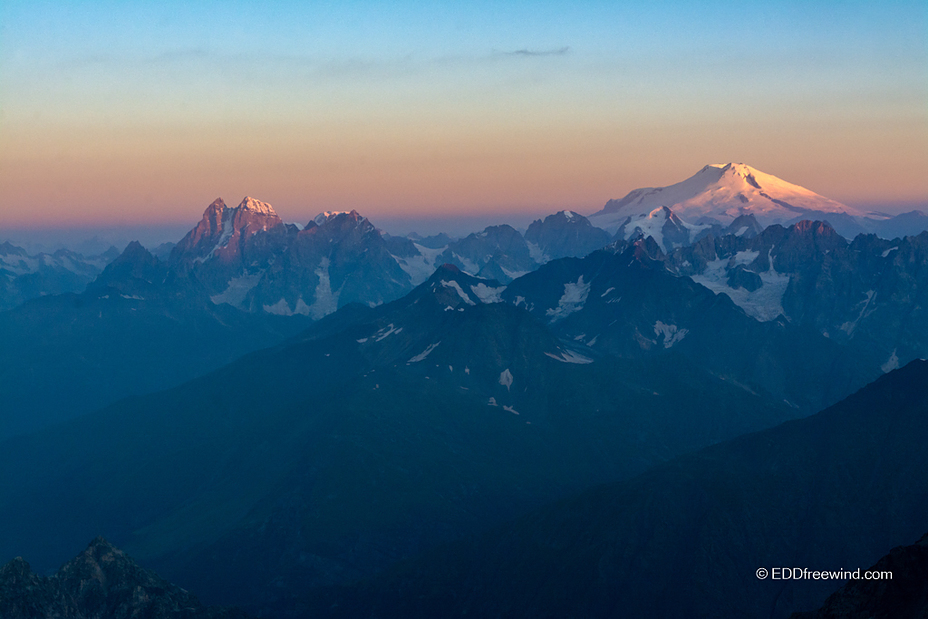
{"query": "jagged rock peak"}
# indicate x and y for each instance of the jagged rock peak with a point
(327, 216)
(808, 226)
(102, 581)
(134, 253)
(247, 204)
(217, 204)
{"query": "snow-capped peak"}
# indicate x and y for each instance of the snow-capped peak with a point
(719, 193)
(256, 206)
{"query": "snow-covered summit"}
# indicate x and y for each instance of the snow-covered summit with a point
(719, 193)
(256, 206)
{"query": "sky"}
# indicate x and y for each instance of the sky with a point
(142, 113)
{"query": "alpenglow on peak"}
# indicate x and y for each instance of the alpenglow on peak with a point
(721, 192)
(256, 206)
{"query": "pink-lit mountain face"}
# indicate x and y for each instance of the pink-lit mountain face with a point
(720, 193)
(227, 239)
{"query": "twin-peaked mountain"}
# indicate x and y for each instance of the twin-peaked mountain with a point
(249, 258)
(240, 280)
(720, 193)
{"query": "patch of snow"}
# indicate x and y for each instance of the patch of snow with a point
(513, 274)
(744, 257)
(571, 301)
(469, 266)
(889, 251)
(671, 333)
(362, 340)
(457, 288)
(891, 364)
(608, 290)
(227, 230)
(569, 356)
(492, 402)
(536, 253)
(580, 337)
(425, 353)
(420, 268)
(326, 302)
(741, 231)
(510, 409)
(505, 379)
(134, 297)
(386, 332)
(593, 341)
(467, 370)
(237, 289)
(849, 327)
(281, 308)
(764, 304)
(486, 294)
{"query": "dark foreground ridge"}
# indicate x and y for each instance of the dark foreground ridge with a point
(904, 596)
(102, 582)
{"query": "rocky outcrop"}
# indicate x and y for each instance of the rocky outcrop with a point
(102, 582)
(565, 234)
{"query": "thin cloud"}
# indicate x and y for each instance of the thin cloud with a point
(561, 51)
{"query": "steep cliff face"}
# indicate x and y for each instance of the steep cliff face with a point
(102, 582)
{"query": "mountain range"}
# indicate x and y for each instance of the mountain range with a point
(327, 419)
(376, 434)
(24, 277)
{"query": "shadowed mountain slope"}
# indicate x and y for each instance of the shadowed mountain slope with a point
(902, 595)
(827, 492)
(378, 434)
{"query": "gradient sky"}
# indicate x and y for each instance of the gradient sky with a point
(144, 112)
